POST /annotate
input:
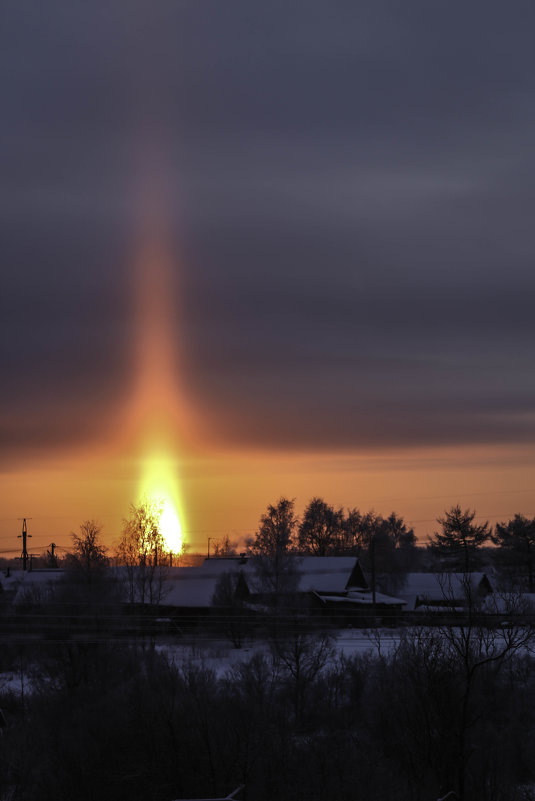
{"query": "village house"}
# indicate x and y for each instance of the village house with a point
(439, 592)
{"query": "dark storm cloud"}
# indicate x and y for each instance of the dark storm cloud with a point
(353, 187)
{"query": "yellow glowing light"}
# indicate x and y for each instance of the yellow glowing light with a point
(160, 484)
(171, 528)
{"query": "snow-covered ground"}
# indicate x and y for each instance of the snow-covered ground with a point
(12, 682)
(220, 655)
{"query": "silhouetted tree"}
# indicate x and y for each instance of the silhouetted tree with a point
(139, 549)
(276, 530)
(88, 556)
(401, 536)
(396, 553)
(271, 549)
(351, 531)
(516, 549)
(477, 651)
(302, 655)
(225, 547)
(458, 543)
(386, 547)
(84, 601)
(135, 725)
(321, 529)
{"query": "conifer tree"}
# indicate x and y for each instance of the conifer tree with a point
(516, 548)
(460, 539)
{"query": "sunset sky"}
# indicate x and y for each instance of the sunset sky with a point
(277, 248)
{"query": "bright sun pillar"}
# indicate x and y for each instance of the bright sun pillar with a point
(171, 528)
(159, 483)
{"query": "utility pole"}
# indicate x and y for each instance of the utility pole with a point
(52, 561)
(24, 535)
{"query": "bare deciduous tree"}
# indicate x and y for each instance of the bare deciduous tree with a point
(302, 656)
(225, 547)
(139, 549)
(88, 555)
(476, 645)
(271, 549)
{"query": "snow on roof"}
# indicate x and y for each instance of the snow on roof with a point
(325, 573)
(192, 586)
(21, 582)
(362, 597)
(439, 586)
(323, 581)
(195, 586)
(380, 597)
(439, 610)
(333, 563)
(189, 592)
(30, 577)
(217, 566)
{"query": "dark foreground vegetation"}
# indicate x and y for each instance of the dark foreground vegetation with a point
(101, 713)
(447, 709)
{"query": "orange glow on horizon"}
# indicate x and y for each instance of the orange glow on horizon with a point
(158, 448)
(227, 492)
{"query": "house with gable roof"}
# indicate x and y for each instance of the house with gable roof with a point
(439, 592)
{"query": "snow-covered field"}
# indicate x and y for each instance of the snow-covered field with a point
(10, 682)
(220, 655)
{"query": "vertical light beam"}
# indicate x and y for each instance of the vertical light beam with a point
(158, 415)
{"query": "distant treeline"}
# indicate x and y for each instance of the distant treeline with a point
(385, 545)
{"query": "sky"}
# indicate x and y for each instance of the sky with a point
(284, 248)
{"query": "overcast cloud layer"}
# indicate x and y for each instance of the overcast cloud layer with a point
(351, 193)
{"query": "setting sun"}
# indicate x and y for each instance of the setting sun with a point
(171, 528)
(159, 482)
